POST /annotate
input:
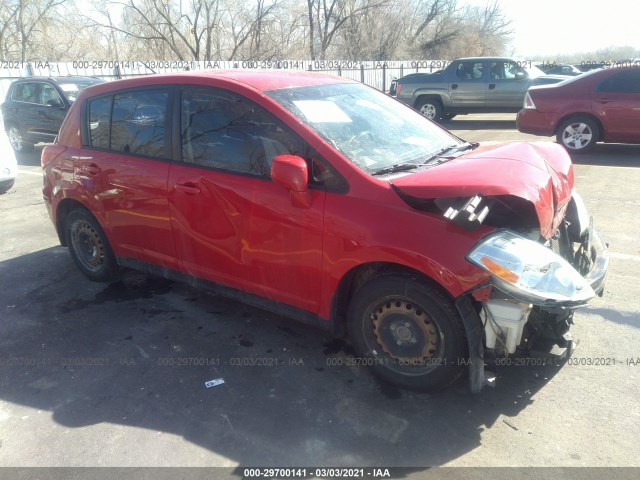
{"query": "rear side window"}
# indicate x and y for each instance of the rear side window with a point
(138, 123)
(26, 92)
(129, 122)
(99, 122)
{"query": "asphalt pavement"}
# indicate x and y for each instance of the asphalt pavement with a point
(115, 374)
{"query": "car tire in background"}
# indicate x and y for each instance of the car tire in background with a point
(408, 332)
(430, 108)
(16, 138)
(6, 186)
(578, 134)
(89, 246)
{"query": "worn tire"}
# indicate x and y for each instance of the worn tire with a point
(89, 246)
(408, 331)
(16, 138)
(430, 108)
(578, 134)
(5, 187)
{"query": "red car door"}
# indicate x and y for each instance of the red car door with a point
(231, 224)
(616, 101)
(125, 170)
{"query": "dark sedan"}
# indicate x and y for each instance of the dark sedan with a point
(598, 106)
(35, 108)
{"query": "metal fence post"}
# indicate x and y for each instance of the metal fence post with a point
(362, 73)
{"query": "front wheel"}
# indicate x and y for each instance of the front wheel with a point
(578, 134)
(430, 108)
(408, 332)
(89, 246)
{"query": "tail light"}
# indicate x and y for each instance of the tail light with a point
(398, 88)
(528, 102)
(50, 153)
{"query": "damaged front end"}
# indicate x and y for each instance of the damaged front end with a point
(543, 256)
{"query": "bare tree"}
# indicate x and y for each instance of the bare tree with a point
(22, 25)
(327, 17)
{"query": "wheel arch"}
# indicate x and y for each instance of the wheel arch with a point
(63, 209)
(422, 97)
(589, 115)
(358, 276)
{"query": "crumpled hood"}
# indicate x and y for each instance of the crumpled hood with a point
(539, 172)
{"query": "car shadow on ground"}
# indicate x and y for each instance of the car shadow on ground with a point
(138, 353)
(610, 155)
(30, 157)
(464, 122)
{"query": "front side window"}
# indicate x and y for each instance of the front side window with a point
(627, 81)
(50, 95)
(504, 70)
(224, 130)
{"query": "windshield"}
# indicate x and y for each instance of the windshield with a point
(72, 89)
(369, 128)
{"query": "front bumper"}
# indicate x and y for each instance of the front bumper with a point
(600, 256)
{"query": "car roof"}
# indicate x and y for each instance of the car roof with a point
(76, 78)
(262, 80)
(482, 59)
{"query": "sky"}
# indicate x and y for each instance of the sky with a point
(549, 27)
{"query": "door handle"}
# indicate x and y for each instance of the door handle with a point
(90, 169)
(492, 86)
(188, 188)
(454, 86)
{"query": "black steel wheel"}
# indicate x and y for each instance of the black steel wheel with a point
(89, 246)
(408, 331)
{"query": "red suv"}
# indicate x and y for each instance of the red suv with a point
(327, 201)
(598, 106)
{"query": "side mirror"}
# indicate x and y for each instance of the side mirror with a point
(290, 172)
(55, 103)
(521, 75)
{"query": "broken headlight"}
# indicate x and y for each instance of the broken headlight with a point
(529, 271)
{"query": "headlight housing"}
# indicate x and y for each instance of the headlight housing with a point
(530, 271)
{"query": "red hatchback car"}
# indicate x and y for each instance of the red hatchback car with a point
(598, 106)
(327, 201)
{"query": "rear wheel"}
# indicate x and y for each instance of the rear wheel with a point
(17, 140)
(89, 246)
(578, 134)
(408, 332)
(430, 108)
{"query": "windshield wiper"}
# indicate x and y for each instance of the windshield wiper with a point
(450, 149)
(397, 167)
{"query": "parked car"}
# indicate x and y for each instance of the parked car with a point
(35, 107)
(328, 201)
(8, 165)
(471, 85)
(569, 70)
(598, 106)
